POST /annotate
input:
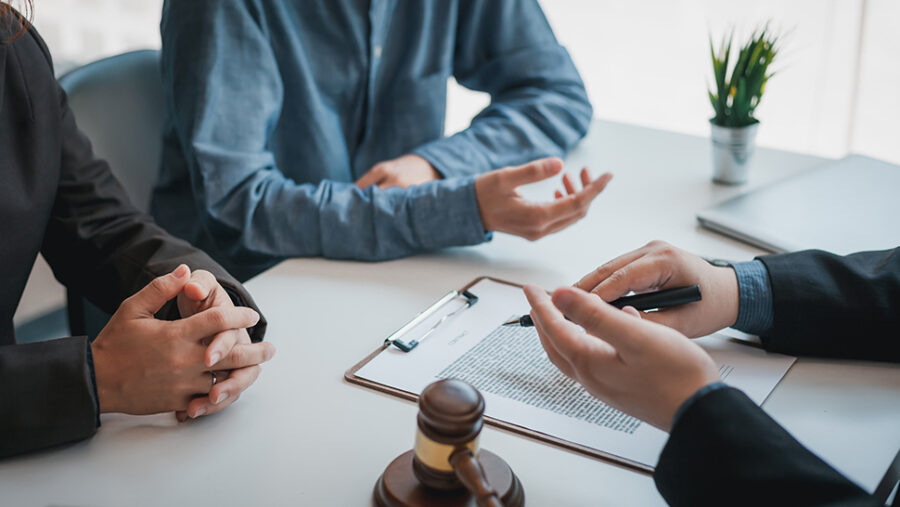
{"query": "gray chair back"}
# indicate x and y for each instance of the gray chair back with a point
(118, 103)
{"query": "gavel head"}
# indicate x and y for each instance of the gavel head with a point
(450, 419)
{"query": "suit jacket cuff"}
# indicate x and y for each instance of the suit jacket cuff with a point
(725, 445)
(48, 395)
(240, 297)
(93, 376)
(694, 397)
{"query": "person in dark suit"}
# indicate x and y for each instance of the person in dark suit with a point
(58, 199)
(721, 445)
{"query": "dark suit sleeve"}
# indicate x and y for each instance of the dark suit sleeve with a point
(99, 244)
(725, 450)
(53, 400)
(834, 306)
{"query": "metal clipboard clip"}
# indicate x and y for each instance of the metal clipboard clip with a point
(406, 346)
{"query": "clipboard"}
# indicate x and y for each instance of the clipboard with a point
(350, 376)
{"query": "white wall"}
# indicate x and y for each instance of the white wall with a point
(876, 129)
(643, 61)
(647, 62)
(79, 31)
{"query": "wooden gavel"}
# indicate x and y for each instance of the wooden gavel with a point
(447, 466)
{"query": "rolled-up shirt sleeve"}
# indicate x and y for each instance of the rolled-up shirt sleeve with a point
(224, 114)
(539, 106)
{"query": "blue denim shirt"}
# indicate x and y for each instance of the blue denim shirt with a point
(275, 108)
(756, 309)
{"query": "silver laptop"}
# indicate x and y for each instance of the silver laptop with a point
(845, 206)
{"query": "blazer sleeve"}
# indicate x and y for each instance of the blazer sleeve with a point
(834, 306)
(725, 450)
(48, 395)
(99, 244)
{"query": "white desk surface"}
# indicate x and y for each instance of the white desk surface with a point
(303, 436)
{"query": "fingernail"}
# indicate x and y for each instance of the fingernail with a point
(200, 412)
(180, 271)
(221, 397)
(214, 358)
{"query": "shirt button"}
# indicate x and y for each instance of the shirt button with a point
(377, 51)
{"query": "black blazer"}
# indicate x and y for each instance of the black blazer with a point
(58, 199)
(726, 450)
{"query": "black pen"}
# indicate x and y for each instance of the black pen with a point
(641, 302)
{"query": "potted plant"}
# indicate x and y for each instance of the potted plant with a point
(734, 100)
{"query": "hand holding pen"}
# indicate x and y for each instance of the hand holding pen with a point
(642, 302)
(659, 265)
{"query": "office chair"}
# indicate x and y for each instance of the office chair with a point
(118, 104)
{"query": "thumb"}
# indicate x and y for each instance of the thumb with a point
(160, 290)
(533, 171)
(620, 329)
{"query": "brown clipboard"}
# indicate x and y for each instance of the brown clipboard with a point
(350, 376)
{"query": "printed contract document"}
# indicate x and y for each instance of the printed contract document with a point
(522, 387)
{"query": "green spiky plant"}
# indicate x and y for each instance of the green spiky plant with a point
(736, 97)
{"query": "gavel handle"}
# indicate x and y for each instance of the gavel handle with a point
(471, 474)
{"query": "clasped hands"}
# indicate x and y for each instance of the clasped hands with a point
(501, 207)
(194, 366)
(641, 363)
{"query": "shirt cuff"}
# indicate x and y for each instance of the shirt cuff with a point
(703, 391)
(755, 306)
(446, 214)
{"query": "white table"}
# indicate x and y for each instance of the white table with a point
(303, 436)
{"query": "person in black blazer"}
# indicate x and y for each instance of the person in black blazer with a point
(56, 198)
(804, 303)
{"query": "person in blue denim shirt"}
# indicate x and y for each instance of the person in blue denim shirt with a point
(315, 128)
(722, 445)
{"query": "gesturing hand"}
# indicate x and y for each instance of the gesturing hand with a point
(503, 209)
(402, 172)
(201, 293)
(639, 367)
(659, 265)
(144, 365)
